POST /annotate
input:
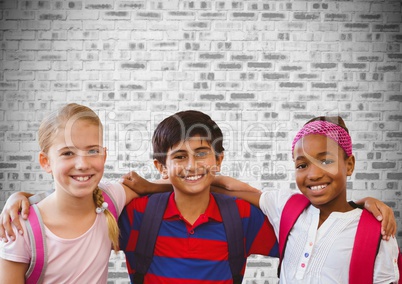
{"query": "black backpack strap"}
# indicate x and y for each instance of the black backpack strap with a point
(234, 234)
(148, 233)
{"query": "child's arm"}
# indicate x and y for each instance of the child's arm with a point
(221, 184)
(234, 187)
(12, 272)
(141, 186)
(380, 210)
(15, 203)
(133, 185)
(383, 213)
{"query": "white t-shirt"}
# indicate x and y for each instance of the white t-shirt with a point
(81, 260)
(323, 255)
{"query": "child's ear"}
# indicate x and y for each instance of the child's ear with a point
(105, 154)
(161, 168)
(219, 160)
(44, 162)
(350, 165)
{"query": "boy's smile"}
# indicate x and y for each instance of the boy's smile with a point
(191, 165)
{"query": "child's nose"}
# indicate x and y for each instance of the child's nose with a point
(190, 163)
(81, 162)
(315, 172)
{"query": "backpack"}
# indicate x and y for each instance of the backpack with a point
(365, 247)
(152, 220)
(35, 230)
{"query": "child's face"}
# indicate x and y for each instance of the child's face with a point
(321, 170)
(76, 159)
(191, 166)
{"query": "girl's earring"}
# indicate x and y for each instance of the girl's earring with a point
(164, 174)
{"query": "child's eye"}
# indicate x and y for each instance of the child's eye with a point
(301, 166)
(93, 151)
(327, 162)
(179, 157)
(202, 154)
(67, 153)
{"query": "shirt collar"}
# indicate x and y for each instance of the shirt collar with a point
(212, 211)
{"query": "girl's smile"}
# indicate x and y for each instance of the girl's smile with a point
(321, 171)
(82, 178)
(317, 187)
(76, 159)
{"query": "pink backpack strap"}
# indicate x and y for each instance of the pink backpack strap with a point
(111, 204)
(365, 248)
(291, 212)
(400, 266)
(35, 229)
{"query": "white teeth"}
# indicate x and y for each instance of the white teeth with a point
(318, 187)
(82, 178)
(193, 177)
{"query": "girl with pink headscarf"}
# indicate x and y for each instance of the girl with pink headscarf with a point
(320, 243)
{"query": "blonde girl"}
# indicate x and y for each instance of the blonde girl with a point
(79, 228)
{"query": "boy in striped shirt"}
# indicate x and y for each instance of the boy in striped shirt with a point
(191, 246)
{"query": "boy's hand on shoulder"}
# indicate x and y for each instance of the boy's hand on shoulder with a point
(9, 216)
(383, 213)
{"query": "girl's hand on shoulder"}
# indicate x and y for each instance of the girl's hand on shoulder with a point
(9, 216)
(232, 184)
(383, 213)
(136, 183)
(141, 186)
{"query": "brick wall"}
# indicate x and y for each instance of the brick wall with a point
(259, 68)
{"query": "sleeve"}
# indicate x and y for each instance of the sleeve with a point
(259, 234)
(386, 263)
(116, 191)
(272, 203)
(129, 224)
(18, 250)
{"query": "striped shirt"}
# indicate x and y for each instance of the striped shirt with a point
(197, 253)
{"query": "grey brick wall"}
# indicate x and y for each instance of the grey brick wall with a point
(259, 68)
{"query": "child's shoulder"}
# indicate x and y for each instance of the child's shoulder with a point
(246, 209)
(138, 204)
(108, 185)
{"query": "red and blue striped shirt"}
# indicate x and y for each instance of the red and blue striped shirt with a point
(198, 253)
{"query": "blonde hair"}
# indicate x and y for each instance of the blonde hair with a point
(64, 118)
(111, 221)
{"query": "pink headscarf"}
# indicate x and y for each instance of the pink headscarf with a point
(329, 129)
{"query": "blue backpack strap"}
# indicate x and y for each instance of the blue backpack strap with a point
(365, 249)
(234, 234)
(149, 229)
(36, 232)
(290, 213)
